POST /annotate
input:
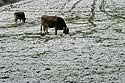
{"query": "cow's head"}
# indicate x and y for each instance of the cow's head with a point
(24, 20)
(66, 30)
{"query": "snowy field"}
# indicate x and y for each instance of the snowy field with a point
(86, 55)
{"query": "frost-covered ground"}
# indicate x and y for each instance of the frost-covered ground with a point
(86, 55)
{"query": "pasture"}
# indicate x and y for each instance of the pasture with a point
(88, 54)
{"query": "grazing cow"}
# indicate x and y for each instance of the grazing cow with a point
(53, 21)
(20, 16)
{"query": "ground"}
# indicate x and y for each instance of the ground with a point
(87, 54)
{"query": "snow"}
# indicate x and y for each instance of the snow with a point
(86, 55)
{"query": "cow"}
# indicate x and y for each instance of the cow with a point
(53, 22)
(20, 16)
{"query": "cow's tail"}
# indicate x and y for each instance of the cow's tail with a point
(15, 18)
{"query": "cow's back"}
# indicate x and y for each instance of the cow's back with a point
(19, 15)
(51, 21)
(54, 21)
(61, 23)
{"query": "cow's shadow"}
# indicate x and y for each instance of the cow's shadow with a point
(12, 25)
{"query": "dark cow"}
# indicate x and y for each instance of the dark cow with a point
(53, 21)
(20, 16)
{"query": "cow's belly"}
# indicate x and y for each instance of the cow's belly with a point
(51, 26)
(60, 28)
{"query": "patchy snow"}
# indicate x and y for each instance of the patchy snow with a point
(86, 55)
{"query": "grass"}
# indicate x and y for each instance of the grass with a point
(43, 36)
(11, 26)
(72, 19)
(88, 33)
(118, 30)
(37, 55)
(2, 36)
(46, 39)
(100, 40)
(27, 24)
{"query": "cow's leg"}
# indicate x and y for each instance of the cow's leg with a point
(16, 20)
(64, 29)
(41, 28)
(56, 30)
(42, 25)
(23, 20)
(20, 19)
(46, 28)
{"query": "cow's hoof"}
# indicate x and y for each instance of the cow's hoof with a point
(46, 32)
(42, 34)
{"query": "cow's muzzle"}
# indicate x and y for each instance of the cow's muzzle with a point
(66, 31)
